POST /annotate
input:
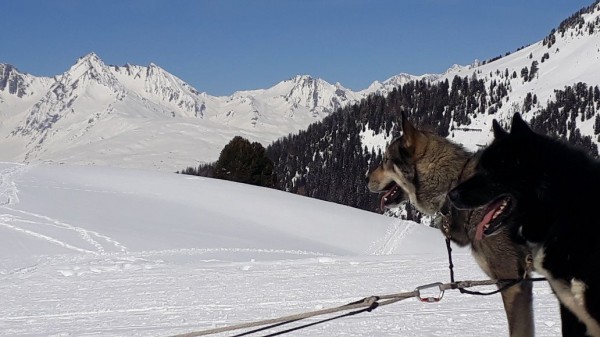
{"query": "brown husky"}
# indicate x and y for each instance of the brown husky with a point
(421, 167)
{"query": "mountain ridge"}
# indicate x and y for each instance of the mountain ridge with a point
(56, 115)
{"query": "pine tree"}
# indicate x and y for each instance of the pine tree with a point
(525, 74)
(533, 70)
(528, 102)
(245, 162)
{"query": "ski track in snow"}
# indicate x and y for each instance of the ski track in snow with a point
(17, 222)
(44, 237)
(85, 234)
(8, 188)
(394, 236)
(86, 237)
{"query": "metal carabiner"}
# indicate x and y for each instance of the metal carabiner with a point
(430, 299)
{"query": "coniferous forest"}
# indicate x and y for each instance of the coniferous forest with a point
(327, 160)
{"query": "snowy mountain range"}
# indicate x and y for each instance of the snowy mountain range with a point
(146, 117)
(143, 116)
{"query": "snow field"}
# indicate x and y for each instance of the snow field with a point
(113, 252)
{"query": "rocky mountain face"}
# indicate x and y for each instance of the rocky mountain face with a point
(12, 82)
(17, 88)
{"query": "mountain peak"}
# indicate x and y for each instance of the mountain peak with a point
(12, 80)
(400, 79)
(455, 68)
(153, 70)
(302, 78)
(6, 68)
(91, 68)
(90, 58)
(340, 86)
(89, 62)
(154, 65)
(90, 55)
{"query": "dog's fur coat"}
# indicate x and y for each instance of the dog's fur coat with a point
(426, 166)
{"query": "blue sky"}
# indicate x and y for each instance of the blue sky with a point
(221, 46)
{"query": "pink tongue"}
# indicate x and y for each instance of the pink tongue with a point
(387, 194)
(486, 219)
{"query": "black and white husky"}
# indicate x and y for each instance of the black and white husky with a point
(548, 193)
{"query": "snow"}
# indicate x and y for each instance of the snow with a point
(109, 115)
(101, 251)
(375, 141)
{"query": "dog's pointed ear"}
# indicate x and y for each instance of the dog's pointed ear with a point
(519, 127)
(403, 119)
(499, 132)
(408, 130)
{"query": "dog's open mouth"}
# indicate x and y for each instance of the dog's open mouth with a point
(495, 213)
(391, 195)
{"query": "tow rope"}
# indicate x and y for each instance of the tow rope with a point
(502, 284)
(366, 304)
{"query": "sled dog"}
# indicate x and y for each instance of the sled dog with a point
(545, 192)
(421, 167)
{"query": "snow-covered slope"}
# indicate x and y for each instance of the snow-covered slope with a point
(113, 252)
(61, 209)
(567, 56)
(154, 84)
(573, 57)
